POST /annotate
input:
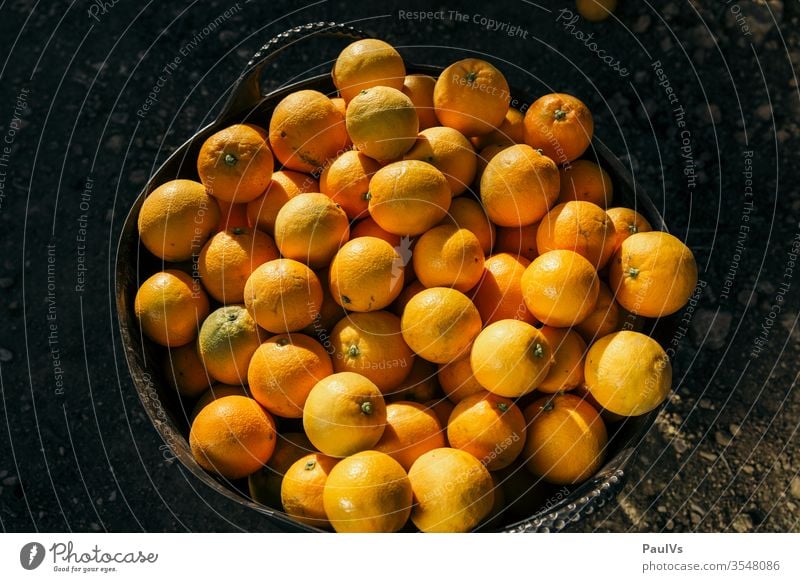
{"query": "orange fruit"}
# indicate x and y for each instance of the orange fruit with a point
(566, 439)
(519, 186)
(382, 123)
(471, 96)
(284, 369)
(440, 324)
(419, 89)
(628, 373)
(232, 436)
(603, 320)
(232, 215)
(458, 381)
(626, 222)
(330, 312)
(302, 488)
(368, 227)
(366, 274)
(265, 484)
(215, 392)
(405, 296)
(653, 274)
(285, 184)
(346, 181)
(510, 358)
(420, 385)
(453, 491)
(577, 226)
(176, 219)
(411, 431)
(517, 241)
(569, 351)
(511, 131)
(442, 408)
(448, 256)
(228, 259)
(468, 213)
(560, 125)
(235, 164)
(365, 64)
(489, 427)
(185, 371)
(485, 156)
(585, 181)
(368, 492)
(371, 344)
(449, 152)
(310, 228)
(226, 342)
(283, 295)
(498, 294)
(596, 10)
(408, 197)
(306, 130)
(560, 288)
(344, 414)
(170, 307)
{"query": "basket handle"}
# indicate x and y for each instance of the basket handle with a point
(246, 91)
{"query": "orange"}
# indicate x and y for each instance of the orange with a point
(232, 215)
(228, 259)
(185, 371)
(283, 295)
(284, 369)
(569, 350)
(453, 491)
(368, 492)
(216, 392)
(176, 219)
(302, 488)
(368, 227)
(310, 228)
(566, 439)
(510, 358)
(586, 181)
(653, 274)
(170, 307)
(330, 312)
(232, 436)
(371, 344)
(382, 123)
(306, 130)
(560, 125)
(265, 484)
(519, 186)
(440, 324)
(226, 342)
(366, 274)
(448, 256)
(517, 241)
(468, 213)
(449, 152)
(346, 181)
(419, 89)
(420, 385)
(411, 431)
(405, 296)
(626, 222)
(511, 131)
(628, 373)
(408, 197)
(485, 156)
(603, 320)
(596, 10)
(365, 64)
(560, 288)
(442, 408)
(582, 227)
(235, 164)
(341, 107)
(489, 427)
(285, 184)
(498, 294)
(471, 96)
(344, 414)
(458, 381)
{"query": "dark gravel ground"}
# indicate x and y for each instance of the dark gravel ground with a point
(77, 451)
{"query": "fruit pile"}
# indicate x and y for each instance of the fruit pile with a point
(429, 308)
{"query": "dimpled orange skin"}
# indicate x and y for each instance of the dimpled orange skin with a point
(585, 180)
(419, 89)
(367, 63)
(411, 431)
(468, 213)
(302, 488)
(382, 122)
(408, 197)
(577, 226)
(170, 307)
(471, 96)
(566, 439)
(498, 295)
(310, 228)
(235, 164)
(626, 222)
(285, 184)
(653, 274)
(569, 351)
(449, 152)
(216, 392)
(560, 125)
(458, 381)
(560, 288)
(366, 274)
(517, 241)
(185, 371)
(283, 295)
(518, 186)
(346, 181)
(603, 320)
(485, 156)
(226, 342)
(440, 324)
(368, 227)
(448, 256)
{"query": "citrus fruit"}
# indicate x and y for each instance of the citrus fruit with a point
(365, 64)
(215, 392)
(368, 227)
(366, 274)
(603, 320)
(330, 312)
(382, 123)
(485, 156)
(419, 89)
(420, 385)
(265, 484)
(511, 131)
(285, 184)
(468, 213)
(346, 181)
(569, 350)
(302, 488)
(170, 306)
(560, 125)
(449, 152)
(226, 342)
(411, 430)
(585, 181)
(310, 228)
(626, 222)
(517, 241)
(442, 408)
(185, 371)
(596, 10)
(448, 256)
(577, 226)
(498, 294)
(457, 380)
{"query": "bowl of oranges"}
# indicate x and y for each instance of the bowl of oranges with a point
(400, 298)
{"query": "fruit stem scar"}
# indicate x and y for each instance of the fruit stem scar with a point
(633, 229)
(502, 407)
(237, 230)
(230, 160)
(559, 114)
(310, 465)
(548, 406)
(538, 350)
(367, 196)
(366, 407)
(345, 298)
(471, 76)
(633, 272)
(282, 341)
(353, 351)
